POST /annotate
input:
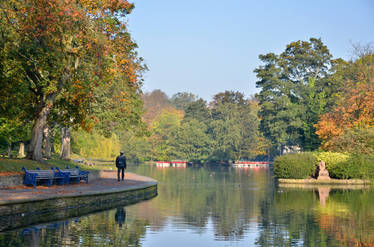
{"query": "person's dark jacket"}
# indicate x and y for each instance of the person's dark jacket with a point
(121, 161)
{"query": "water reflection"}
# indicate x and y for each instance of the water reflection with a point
(218, 207)
(323, 216)
(120, 216)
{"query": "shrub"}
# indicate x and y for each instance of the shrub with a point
(347, 166)
(357, 166)
(295, 166)
(331, 158)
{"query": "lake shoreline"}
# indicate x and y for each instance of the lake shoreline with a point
(25, 206)
(324, 181)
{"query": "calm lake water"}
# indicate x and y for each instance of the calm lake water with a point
(217, 207)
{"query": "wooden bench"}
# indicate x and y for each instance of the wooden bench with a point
(75, 174)
(33, 176)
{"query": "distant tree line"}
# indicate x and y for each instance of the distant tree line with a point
(70, 80)
(186, 127)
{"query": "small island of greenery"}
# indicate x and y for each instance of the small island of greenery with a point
(303, 167)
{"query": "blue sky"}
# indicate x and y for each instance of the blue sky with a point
(208, 46)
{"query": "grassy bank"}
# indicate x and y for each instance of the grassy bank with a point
(15, 165)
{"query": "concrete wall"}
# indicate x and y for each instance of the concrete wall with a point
(28, 213)
(11, 180)
(94, 175)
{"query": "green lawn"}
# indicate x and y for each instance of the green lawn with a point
(15, 165)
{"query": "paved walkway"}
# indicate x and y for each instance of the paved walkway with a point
(106, 184)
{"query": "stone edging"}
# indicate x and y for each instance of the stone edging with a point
(36, 212)
(325, 181)
(18, 212)
(11, 180)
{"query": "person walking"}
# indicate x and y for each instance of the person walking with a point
(121, 165)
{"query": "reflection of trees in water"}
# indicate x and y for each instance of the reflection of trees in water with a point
(229, 197)
(101, 229)
(38, 235)
(349, 217)
(297, 217)
(229, 200)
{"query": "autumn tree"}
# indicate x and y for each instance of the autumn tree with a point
(354, 109)
(64, 50)
(154, 103)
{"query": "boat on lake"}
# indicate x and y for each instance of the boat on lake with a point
(162, 164)
(251, 164)
(174, 163)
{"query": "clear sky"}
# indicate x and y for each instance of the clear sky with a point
(208, 46)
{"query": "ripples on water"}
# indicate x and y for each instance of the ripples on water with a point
(217, 207)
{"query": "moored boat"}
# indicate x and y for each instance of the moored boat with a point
(251, 164)
(174, 163)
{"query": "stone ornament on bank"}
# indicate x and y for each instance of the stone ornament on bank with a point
(323, 173)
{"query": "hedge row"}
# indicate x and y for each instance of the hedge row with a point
(339, 165)
(295, 166)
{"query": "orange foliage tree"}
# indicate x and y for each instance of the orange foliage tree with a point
(355, 109)
(64, 51)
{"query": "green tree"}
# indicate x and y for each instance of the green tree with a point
(198, 110)
(162, 129)
(182, 100)
(294, 91)
(233, 126)
(137, 147)
(191, 142)
(117, 108)
(93, 145)
(11, 131)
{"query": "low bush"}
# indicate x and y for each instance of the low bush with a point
(331, 158)
(339, 165)
(347, 166)
(358, 166)
(295, 166)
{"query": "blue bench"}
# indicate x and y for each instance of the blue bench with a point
(33, 176)
(75, 174)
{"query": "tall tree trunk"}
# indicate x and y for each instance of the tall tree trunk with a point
(53, 151)
(65, 143)
(21, 151)
(47, 141)
(35, 149)
(9, 150)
